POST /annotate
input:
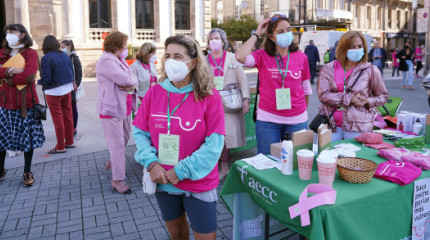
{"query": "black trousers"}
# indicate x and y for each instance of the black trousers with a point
(313, 71)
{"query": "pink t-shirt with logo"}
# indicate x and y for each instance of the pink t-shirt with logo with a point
(193, 121)
(220, 62)
(270, 80)
(418, 51)
(339, 74)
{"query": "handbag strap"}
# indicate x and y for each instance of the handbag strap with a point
(254, 114)
(348, 91)
(40, 71)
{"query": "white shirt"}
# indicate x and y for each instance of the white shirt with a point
(61, 90)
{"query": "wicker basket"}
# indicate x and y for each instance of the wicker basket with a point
(356, 170)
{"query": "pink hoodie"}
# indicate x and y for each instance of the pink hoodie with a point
(112, 73)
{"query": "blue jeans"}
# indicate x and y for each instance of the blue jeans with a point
(268, 133)
(410, 73)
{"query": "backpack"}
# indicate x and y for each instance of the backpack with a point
(327, 56)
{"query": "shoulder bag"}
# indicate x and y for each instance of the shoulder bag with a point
(232, 98)
(39, 110)
(321, 119)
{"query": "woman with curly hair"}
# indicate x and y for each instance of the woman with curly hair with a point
(179, 134)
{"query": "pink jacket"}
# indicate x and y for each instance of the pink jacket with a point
(370, 84)
(112, 73)
(395, 61)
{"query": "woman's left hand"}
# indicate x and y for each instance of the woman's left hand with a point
(172, 177)
(245, 106)
(127, 89)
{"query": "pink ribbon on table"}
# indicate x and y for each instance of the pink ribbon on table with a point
(323, 195)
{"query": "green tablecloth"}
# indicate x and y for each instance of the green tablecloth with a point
(376, 210)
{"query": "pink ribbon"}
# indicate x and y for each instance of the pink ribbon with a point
(323, 195)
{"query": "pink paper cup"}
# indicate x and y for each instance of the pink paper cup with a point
(326, 173)
(305, 159)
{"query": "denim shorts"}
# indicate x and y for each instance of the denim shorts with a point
(202, 215)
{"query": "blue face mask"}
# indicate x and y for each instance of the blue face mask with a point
(284, 39)
(355, 55)
(64, 50)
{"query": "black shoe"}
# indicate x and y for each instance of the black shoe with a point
(3, 174)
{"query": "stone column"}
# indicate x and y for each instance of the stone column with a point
(21, 13)
(166, 22)
(73, 21)
(123, 17)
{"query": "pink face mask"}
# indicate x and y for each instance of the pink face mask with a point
(215, 45)
(124, 54)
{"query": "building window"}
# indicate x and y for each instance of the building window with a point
(398, 19)
(145, 14)
(182, 14)
(406, 20)
(262, 7)
(390, 18)
(414, 22)
(100, 13)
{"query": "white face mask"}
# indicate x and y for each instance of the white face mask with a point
(12, 39)
(176, 70)
(153, 59)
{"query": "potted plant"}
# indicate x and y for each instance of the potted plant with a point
(132, 51)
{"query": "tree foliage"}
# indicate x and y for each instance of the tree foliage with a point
(237, 29)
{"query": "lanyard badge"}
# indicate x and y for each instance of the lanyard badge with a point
(219, 80)
(168, 145)
(283, 95)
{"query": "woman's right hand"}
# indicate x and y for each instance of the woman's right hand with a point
(17, 71)
(358, 101)
(157, 174)
(262, 27)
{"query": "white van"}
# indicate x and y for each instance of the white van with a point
(324, 40)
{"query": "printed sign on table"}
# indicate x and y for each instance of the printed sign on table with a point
(421, 210)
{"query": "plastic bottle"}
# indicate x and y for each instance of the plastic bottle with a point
(287, 157)
(401, 126)
(417, 127)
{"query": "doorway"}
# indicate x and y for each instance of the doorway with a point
(2, 21)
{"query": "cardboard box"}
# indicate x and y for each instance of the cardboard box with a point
(324, 139)
(275, 149)
(301, 140)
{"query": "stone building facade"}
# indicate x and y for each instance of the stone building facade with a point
(87, 21)
(392, 22)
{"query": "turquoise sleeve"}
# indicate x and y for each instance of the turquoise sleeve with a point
(202, 161)
(146, 153)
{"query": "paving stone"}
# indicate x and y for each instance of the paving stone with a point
(90, 222)
(101, 220)
(49, 230)
(35, 232)
(160, 233)
(24, 223)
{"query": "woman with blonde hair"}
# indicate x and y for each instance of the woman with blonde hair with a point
(179, 134)
(349, 88)
(116, 99)
(144, 68)
(229, 77)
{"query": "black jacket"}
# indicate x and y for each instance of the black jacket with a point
(77, 67)
(402, 64)
(383, 55)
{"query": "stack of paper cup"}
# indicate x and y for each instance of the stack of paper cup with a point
(327, 166)
(305, 160)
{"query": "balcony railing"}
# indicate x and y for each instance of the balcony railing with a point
(184, 32)
(96, 34)
(145, 34)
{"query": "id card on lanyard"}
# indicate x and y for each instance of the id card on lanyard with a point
(168, 145)
(283, 95)
(152, 78)
(219, 80)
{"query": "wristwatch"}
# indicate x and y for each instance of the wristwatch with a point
(247, 99)
(253, 33)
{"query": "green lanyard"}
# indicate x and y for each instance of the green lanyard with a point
(169, 114)
(344, 80)
(219, 67)
(283, 76)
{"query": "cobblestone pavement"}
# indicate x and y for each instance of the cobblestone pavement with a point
(72, 199)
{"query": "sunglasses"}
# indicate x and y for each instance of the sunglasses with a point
(277, 17)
